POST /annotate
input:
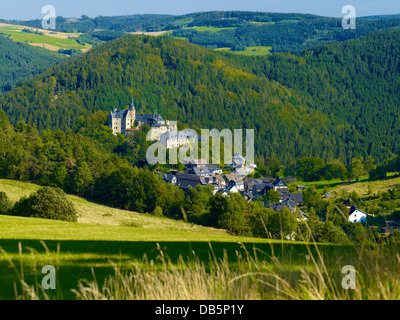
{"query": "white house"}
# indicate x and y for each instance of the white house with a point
(357, 216)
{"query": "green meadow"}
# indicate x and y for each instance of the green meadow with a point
(362, 187)
(117, 254)
(251, 51)
(211, 29)
(52, 43)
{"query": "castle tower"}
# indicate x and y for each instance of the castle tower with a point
(131, 116)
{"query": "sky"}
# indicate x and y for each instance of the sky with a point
(32, 9)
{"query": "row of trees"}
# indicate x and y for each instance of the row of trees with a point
(315, 169)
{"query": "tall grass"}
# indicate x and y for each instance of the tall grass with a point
(320, 278)
(252, 275)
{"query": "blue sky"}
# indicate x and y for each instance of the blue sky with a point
(29, 9)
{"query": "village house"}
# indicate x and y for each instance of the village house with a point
(391, 226)
(240, 167)
(217, 182)
(290, 179)
(357, 216)
(169, 178)
(186, 181)
(236, 179)
(301, 188)
(204, 170)
(176, 139)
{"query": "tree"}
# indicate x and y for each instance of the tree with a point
(282, 224)
(378, 173)
(234, 217)
(271, 197)
(157, 212)
(258, 219)
(310, 168)
(370, 164)
(5, 203)
(83, 178)
(358, 233)
(312, 199)
(218, 207)
(47, 203)
(356, 168)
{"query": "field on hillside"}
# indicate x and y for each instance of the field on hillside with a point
(250, 51)
(337, 186)
(50, 40)
(211, 29)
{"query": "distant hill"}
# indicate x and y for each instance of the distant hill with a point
(234, 29)
(21, 62)
(382, 16)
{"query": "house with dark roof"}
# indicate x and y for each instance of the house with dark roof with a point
(298, 198)
(348, 203)
(291, 205)
(213, 169)
(186, 181)
(392, 225)
(290, 179)
(280, 185)
(357, 216)
(217, 182)
(169, 178)
(267, 180)
(286, 203)
(201, 171)
(232, 187)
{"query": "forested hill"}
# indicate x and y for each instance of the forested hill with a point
(175, 78)
(319, 115)
(21, 61)
(354, 83)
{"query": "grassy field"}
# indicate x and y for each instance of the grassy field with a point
(211, 29)
(49, 40)
(84, 252)
(362, 186)
(116, 254)
(250, 51)
(101, 234)
(338, 186)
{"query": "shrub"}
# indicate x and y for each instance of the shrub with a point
(47, 203)
(157, 212)
(358, 233)
(395, 238)
(5, 203)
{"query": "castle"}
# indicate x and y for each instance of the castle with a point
(124, 121)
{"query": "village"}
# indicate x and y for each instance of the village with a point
(201, 173)
(233, 178)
